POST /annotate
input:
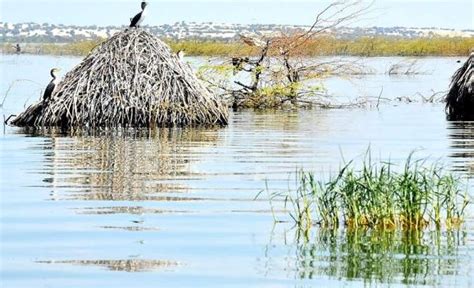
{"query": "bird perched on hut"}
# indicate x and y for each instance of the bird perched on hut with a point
(48, 92)
(136, 21)
(460, 98)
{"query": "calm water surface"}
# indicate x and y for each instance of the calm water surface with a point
(176, 208)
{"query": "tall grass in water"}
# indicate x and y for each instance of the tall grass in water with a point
(320, 46)
(379, 196)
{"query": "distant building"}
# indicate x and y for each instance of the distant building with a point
(38, 33)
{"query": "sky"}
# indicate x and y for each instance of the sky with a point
(457, 14)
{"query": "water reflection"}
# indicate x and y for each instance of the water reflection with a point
(399, 257)
(272, 120)
(188, 196)
(131, 228)
(462, 146)
(135, 265)
(131, 165)
(130, 210)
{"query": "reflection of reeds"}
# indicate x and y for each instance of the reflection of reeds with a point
(121, 265)
(125, 164)
(408, 257)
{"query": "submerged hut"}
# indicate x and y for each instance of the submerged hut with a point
(131, 80)
(460, 98)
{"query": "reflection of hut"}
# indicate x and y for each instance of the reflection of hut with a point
(460, 98)
(126, 165)
(131, 80)
(461, 135)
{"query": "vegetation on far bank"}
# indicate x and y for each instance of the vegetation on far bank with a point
(329, 46)
(319, 46)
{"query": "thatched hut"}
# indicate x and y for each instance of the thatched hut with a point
(131, 80)
(460, 98)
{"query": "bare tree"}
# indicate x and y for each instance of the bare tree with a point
(276, 74)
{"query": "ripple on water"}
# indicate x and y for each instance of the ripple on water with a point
(86, 198)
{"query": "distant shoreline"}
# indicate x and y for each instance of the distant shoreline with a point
(322, 46)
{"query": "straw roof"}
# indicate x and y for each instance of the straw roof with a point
(460, 98)
(131, 80)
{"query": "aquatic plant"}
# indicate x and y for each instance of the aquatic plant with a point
(379, 195)
(405, 67)
(131, 80)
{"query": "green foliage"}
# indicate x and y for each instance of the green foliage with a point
(272, 96)
(379, 196)
(220, 70)
(279, 90)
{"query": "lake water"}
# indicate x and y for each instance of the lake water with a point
(176, 208)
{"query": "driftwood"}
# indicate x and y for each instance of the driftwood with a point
(460, 98)
(131, 80)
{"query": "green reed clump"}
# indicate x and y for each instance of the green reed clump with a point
(379, 196)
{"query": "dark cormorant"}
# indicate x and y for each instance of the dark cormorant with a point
(52, 85)
(18, 48)
(138, 19)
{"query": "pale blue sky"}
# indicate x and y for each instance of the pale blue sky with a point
(457, 14)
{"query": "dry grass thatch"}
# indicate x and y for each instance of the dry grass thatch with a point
(133, 79)
(460, 98)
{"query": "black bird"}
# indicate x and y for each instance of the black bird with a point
(138, 19)
(51, 86)
(18, 48)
